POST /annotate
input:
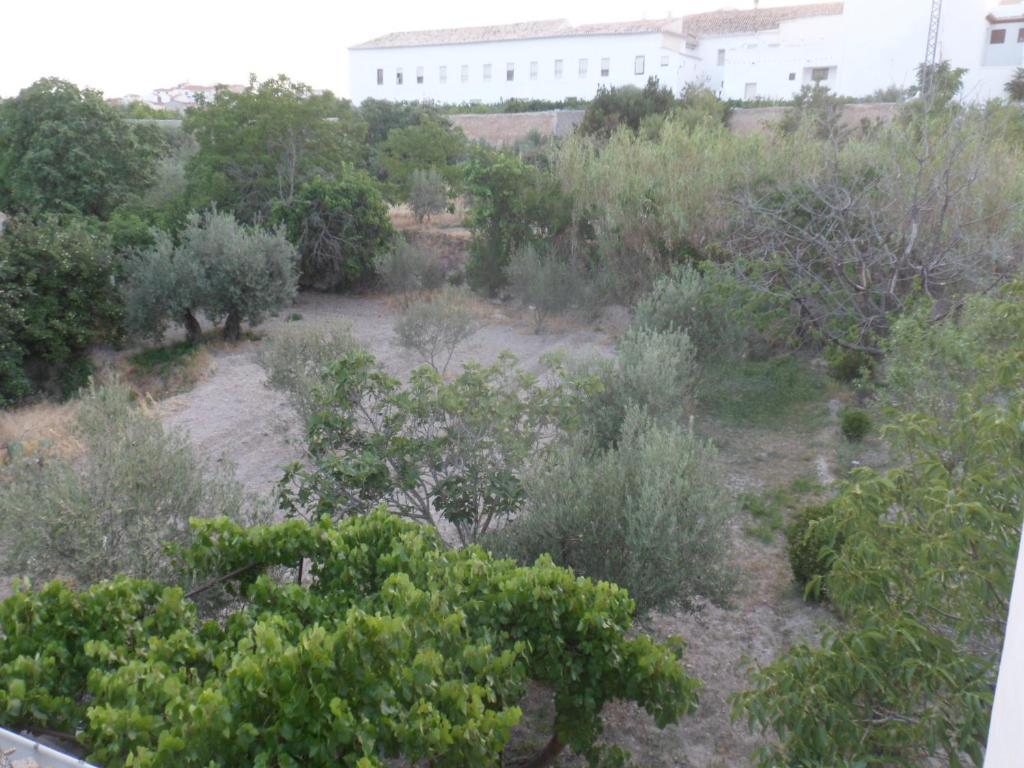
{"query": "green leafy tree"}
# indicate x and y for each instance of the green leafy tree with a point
(511, 204)
(60, 299)
(625, 106)
(922, 579)
(339, 226)
(1014, 87)
(164, 285)
(446, 453)
(65, 150)
(399, 649)
(263, 144)
(428, 193)
(431, 143)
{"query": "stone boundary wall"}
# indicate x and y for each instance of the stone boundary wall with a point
(756, 119)
(504, 128)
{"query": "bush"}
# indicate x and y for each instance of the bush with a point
(56, 287)
(547, 284)
(116, 507)
(409, 652)
(706, 307)
(428, 193)
(848, 365)
(855, 424)
(649, 515)
(409, 267)
(625, 106)
(654, 371)
(296, 360)
(434, 327)
(339, 228)
(811, 548)
(446, 453)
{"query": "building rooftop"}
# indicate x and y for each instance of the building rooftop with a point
(710, 23)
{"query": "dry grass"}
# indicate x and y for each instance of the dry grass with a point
(39, 429)
(159, 372)
(402, 218)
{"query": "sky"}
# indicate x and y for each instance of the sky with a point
(134, 46)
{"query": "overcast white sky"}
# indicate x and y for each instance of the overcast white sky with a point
(134, 46)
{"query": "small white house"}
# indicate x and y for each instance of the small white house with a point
(854, 47)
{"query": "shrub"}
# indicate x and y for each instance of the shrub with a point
(434, 327)
(408, 652)
(296, 360)
(649, 515)
(428, 193)
(855, 424)
(339, 228)
(811, 548)
(249, 272)
(57, 300)
(548, 284)
(705, 307)
(446, 453)
(625, 106)
(654, 371)
(848, 365)
(116, 507)
(408, 267)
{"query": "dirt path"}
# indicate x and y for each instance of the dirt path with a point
(232, 417)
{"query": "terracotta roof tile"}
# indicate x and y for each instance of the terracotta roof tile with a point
(712, 23)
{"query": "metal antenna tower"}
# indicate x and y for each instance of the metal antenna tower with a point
(931, 51)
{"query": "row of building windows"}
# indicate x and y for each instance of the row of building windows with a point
(998, 36)
(639, 66)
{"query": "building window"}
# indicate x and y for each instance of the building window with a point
(419, 75)
(510, 71)
(533, 70)
(818, 74)
(750, 91)
(487, 72)
(721, 57)
(664, 61)
(606, 66)
(380, 77)
(998, 37)
(1020, 35)
(792, 75)
(464, 74)
(638, 65)
(583, 67)
(558, 69)
(442, 73)
(398, 76)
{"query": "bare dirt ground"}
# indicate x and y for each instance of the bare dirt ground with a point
(232, 417)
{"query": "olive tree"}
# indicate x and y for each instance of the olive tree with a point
(164, 285)
(435, 326)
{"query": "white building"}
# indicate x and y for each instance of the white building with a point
(854, 47)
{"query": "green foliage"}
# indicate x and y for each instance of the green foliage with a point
(848, 365)
(431, 143)
(399, 649)
(511, 204)
(58, 299)
(816, 112)
(764, 392)
(428, 193)
(768, 510)
(648, 514)
(408, 267)
(296, 360)
(854, 424)
(64, 150)
(114, 508)
(1014, 87)
(922, 578)
(625, 106)
(547, 284)
(435, 451)
(164, 284)
(261, 145)
(655, 372)
(435, 326)
(339, 227)
(811, 548)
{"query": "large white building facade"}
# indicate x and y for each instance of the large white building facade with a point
(854, 47)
